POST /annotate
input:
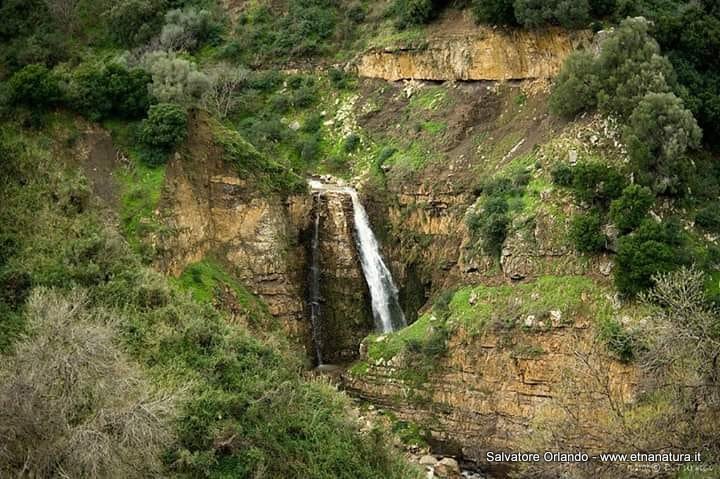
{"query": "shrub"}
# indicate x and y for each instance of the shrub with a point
(133, 22)
(99, 91)
(412, 12)
(304, 29)
(493, 225)
(586, 232)
(356, 13)
(34, 86)
(351, 142)
(708, 217)
(500, 12)
(596, 183)
(312, 123)
(568, 13)
(619, 340)
(225, 81)
(71, 401)
(187, 29)
(630, 66)
(660, 130)
(338, 78)
(651, 249)
(165, 126)
(562, 174)
(175, 80)
(628, 211)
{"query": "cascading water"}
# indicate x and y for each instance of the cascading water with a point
(383, 293)
(315, 283)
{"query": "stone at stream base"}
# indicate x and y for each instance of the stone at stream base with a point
(448, 468)
(428, 460)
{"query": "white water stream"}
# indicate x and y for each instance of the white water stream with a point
(383, 293)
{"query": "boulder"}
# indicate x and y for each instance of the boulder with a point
(448, 468)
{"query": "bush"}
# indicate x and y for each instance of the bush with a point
(562, 175)
(338, 78)
(34, 86)
(499, 12)
(660, 131)
(651, 249)
(708, 217)
(165, 127)
(628, 67)
(133, 22)
(619, 340)
(491, 225)
(100, 91)
(72, 401)
(596, 183)
(175, 80)
(351, 143)
(413, 12)
(304, 29)
(188, 29)
(537, 13)
(628, 211)
(586, 232)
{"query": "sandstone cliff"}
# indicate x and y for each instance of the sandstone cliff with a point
(475, 53)
(208, 209)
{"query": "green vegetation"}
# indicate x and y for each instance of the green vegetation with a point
(631, 208)
(586, 232)
(630, 78)
(651, 249)
(490, 217)
(208, 282)
(165, 127)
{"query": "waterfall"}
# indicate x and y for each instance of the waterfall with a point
(315, 283)
(383, 293)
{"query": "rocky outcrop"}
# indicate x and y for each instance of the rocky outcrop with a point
(207, 209)
(490, 392)
(345, 318)
(478, 53)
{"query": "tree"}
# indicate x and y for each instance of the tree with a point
(660, 131)
(681, 359)
(628, 211)
(413, 12)
(187, 29)
(165, 126)
(596, 183)
(629, 66)
(34, 86)
(225, 82)
(133, 22)
(99, 91)
(575, 88)
(651, 249)
(175, 80)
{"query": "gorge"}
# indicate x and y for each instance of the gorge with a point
(396, 239)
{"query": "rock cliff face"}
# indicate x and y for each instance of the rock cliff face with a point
(490, 392)
(478, 53)
(345, 318)
(209, 210)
